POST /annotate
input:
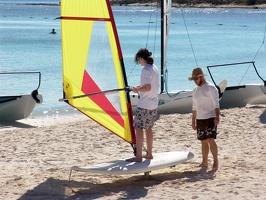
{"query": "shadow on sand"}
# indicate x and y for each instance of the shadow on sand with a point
(134, 187)
(16, 124)
(262, 117)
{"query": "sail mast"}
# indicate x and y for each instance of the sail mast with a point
(162, 46)
(165, 20)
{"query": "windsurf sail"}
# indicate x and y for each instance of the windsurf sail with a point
(93, 65)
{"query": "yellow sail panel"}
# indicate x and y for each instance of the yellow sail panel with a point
(119, 78)
(115, 55)
(85, 8)
(75, 51)
(92, 63)
(101, 115)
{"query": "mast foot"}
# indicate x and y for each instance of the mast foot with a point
(147, 175)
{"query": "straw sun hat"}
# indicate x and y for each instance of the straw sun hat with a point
(196, 73)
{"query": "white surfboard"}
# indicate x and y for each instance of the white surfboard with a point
(159, 161)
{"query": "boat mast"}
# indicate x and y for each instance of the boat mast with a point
(162, 46)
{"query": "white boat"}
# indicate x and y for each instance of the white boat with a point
(244, 94)
(16, 107)
(181, 101)
(241, 96)
(169, 101)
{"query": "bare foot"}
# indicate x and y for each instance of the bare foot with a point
(203, 166)
(215, 166)
(134, 159)
(147, 156)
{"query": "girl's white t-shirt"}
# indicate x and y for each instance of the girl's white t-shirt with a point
(149, 75)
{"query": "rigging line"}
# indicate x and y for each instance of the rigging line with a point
(128, 75)
(264, 40)
(149, 26)
(188, 36)
(166, 87)
(149, 22)
(131, 71)
(147, 39)
(156, 26)
(262, 44)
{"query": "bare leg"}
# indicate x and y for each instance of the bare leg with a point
(205, 152)
(149, 139)
(139, 144)
(214, 151)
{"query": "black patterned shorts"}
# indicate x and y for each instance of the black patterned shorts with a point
(144, 118)
(206, 129)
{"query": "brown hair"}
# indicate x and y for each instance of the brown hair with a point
(145, 54)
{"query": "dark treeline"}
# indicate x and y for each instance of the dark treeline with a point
(193, 2)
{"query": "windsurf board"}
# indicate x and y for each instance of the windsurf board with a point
(159, 161)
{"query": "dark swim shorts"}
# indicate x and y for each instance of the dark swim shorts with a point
(206, 129)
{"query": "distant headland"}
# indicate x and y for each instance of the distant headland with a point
(253, 4)
(256, 4)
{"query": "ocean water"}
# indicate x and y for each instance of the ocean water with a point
(197, 38)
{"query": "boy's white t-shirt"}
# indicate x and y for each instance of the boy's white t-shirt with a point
(205, 100)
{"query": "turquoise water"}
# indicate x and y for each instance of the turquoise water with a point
(216, 36)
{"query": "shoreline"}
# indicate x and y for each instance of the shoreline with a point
(34, 121)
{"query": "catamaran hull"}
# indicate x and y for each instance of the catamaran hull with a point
(182, 103)
(232, 97)
(18, 107)
(242, 95)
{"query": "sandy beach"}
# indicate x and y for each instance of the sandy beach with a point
(37, 154)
